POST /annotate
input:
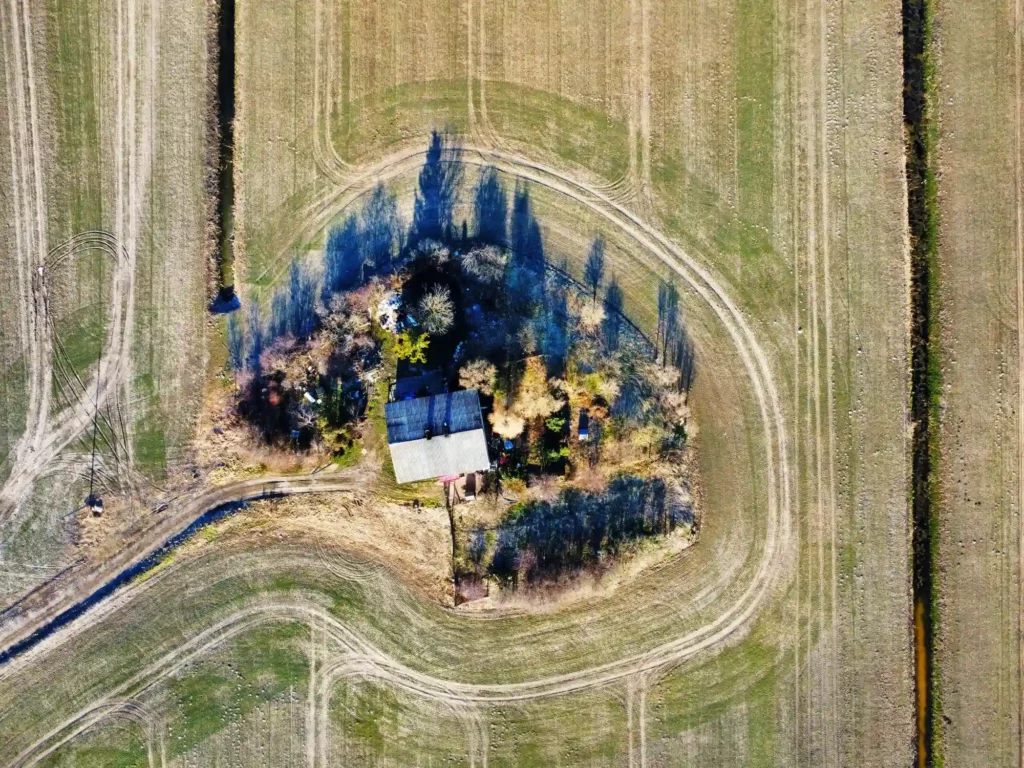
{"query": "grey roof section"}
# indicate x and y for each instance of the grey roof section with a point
(429, 383)
(455, 454)
(407, 419)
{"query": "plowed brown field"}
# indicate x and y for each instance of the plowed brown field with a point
(979, 474)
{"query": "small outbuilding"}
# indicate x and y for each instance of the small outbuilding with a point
(436, 436)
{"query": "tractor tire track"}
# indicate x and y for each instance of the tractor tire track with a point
(699, 278)
(30, 221)
(777, 536)
(50, 435)
(360, 659)
(644, 97)
(68, 424)
(832, 702)
(1018, 177)
(753, 356)
(22, 269)
(32, 628)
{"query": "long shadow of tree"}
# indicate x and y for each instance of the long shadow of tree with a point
(524, 284)
(527, 243)
(438, 190)
(593, 271)
(490, 208)
(611, 326)
(344, 262)
(676, 346)
(528, 305)
(373, 242)
(363, 244)
(381, 230)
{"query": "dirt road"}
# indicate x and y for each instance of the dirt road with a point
(43, 613)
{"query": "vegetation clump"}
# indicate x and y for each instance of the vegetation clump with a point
(573, 393)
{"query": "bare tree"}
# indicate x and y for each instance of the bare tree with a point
(591, 316)
(437, 310)
(304, 414)
(435, 250)
(486, 264)
(534, 398)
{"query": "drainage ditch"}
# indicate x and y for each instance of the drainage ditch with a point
(921, 217)
(224, 210)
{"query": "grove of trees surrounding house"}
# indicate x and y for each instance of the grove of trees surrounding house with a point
(483, 306)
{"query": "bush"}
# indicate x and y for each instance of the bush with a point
(555, 424)
(485, 263)
(480, 375)
(505, 560)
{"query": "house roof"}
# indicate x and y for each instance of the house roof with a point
(440, 456)
(408, 419)
(429, 383)
(463, 449)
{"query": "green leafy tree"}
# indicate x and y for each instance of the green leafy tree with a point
(412, 346)
(554, 424)
(558, 453)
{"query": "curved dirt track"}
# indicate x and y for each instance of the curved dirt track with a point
(356, 658)
(48, 433)
(700, 280)
(30, 247)
(360, 657)
(364, 659)
(24, 628)
(63, 427)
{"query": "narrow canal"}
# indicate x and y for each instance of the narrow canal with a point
(224, 211)
(921, 215)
